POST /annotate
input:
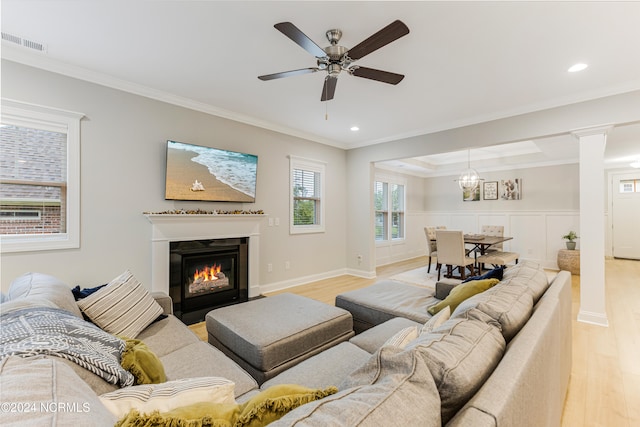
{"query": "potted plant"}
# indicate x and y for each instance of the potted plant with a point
(570, 238)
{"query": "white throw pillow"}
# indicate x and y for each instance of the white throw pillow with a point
(164, 397)
(403, 337)
(123, 307)
(437, 320)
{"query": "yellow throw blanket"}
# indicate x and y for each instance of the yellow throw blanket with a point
(143, 364)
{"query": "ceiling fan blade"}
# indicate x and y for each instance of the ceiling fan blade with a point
(390, 33)
(287, 74)
(300, 38)
(378, 75)
(329, 88)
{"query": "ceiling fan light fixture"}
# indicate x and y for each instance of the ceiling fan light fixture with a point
(334, 70)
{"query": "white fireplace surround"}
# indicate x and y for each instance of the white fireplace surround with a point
(168, 228)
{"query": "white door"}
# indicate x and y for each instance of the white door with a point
(626, 215)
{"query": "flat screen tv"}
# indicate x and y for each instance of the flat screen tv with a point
(199, 173)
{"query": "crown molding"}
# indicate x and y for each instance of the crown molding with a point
(16, 54)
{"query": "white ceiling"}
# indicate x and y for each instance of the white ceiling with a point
(464, 62)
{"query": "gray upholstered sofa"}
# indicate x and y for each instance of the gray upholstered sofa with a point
(502, 359)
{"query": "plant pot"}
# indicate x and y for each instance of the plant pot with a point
(571, 245)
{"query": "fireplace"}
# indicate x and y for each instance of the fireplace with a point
(206, 274)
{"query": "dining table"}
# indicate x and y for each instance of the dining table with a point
(482, 242)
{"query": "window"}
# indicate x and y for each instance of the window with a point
(630, 186)
(307, 196)
(39, 178)
(389, 202)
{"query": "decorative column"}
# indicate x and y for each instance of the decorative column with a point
(592, 143)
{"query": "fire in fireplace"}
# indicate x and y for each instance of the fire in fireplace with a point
(209, 279)
(206, 274)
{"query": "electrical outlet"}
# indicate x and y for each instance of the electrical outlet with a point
(287, 265)
(277, 222)
(270, 222)
(269, 267)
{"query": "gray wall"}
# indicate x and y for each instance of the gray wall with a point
(123, 139)
(543, 188)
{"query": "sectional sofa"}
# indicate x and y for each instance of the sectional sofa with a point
(502, 358)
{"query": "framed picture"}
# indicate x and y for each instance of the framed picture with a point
(490, 190)
(471, 196)
(511, 189)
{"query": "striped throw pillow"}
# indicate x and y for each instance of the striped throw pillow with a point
(169, 395)
(123, 307)
(403, 337)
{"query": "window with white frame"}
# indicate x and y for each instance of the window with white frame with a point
(39, 177)
(389, 201)
(307, 196)
(630, 186)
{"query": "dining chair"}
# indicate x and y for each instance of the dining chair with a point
(493, 230)
(452, 253)
(432, 247)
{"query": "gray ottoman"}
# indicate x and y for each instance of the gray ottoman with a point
(385, 300)
(269, 335)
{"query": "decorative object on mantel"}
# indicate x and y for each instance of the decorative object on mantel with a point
(490, 190)
(570, 238)
(202, 212)
(511, 189)
(469, 179)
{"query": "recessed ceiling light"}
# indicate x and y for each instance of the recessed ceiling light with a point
(635, 164)
(577, 67)
(355, 128)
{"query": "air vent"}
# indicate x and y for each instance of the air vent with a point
(31, 44)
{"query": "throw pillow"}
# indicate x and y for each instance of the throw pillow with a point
(403, 337)
(143, 364)
(443, 289)
(170, 395)
(264, 408)
(496, 273)
(437, 320)
(274, 402)
(78, 293)
(461, 357)
(461, 293)
(123, 307)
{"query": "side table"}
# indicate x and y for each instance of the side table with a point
(569, 260)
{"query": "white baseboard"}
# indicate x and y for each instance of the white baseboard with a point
(599, 319)
(361, 273)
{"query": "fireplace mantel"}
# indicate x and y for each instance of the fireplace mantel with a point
(168, 228)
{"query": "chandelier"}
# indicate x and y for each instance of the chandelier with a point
(469, 178)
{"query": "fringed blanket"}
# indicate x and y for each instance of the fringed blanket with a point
(51, 331)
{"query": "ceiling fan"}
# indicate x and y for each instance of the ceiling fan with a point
(335, 58)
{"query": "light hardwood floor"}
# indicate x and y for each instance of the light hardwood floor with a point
(604, 389)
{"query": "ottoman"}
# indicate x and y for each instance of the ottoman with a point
(269, 335)
(385, 300)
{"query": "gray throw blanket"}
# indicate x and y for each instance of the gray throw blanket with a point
(55, 332)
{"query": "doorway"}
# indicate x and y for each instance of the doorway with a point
(625, 207)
